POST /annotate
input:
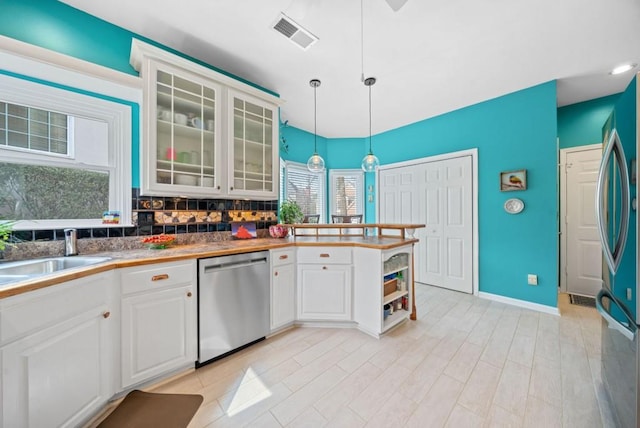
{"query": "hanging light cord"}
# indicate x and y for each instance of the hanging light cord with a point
(315, 120)
(370, 152)
(361, 41)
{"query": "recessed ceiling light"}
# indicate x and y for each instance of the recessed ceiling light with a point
(623, 68)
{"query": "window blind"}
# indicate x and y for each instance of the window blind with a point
(34, 129)
(306, 188)
(346, 192)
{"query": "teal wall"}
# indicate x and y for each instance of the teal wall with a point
(581, 124)
(300, 144)
(511, 132)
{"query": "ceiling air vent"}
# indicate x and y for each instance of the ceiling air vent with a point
(294, 32)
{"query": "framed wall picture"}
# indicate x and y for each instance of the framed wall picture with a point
(513, 180)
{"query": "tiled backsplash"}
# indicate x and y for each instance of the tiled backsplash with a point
(155, 215)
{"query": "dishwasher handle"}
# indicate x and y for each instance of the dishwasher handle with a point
(234, 265)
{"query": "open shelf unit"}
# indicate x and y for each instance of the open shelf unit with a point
(396, 304)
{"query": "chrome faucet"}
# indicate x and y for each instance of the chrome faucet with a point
(70, 242)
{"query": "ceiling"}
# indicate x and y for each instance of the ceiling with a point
(429, 58)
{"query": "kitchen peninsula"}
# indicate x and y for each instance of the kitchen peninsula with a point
(132, 321)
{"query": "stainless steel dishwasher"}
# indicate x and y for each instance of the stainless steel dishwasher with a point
(233, 303)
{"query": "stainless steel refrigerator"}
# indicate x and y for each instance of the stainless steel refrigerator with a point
(617, 301)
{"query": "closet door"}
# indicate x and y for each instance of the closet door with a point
(438, 194)
(397, 195)
(445, 206)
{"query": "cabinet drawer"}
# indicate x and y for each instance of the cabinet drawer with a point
(324, 255)
(283, 257)
(154, 277)
(30, 312)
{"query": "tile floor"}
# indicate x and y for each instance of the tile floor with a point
(466, 362)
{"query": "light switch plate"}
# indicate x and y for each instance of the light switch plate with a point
(532, 279)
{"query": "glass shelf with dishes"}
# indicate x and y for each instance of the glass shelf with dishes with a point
(185, 132)
(252, 146)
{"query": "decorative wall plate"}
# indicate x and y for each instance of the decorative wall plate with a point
(513, 206)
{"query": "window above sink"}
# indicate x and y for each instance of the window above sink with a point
(66, 156)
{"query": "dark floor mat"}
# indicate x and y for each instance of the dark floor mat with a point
(582, 300)
(151, 410)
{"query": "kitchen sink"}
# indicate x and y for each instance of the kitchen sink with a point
(25, 269)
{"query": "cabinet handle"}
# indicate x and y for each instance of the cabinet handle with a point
(325, 255)
(160, 277)
(324, 268)
(218, 187)
(230, 188)
(284, 257)
(106, 314)
(189, 294)
(275, 273)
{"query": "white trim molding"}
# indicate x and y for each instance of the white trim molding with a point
(37, 62)
(520, 303)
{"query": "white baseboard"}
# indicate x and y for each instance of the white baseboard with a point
(326, 324)
(520, 303)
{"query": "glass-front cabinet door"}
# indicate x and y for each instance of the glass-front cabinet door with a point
(186, 130)
(252, 157)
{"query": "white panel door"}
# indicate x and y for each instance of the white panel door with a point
(445, 249)
(397, 194)
(583, 256)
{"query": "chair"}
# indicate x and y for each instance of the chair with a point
(313, 218)
(357, 218)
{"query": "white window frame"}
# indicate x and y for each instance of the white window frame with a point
(333, 175)
(118, 118)
(301, 168)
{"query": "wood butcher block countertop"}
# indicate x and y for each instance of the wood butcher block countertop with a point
(122, 259)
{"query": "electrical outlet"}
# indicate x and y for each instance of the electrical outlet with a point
(629, 294)
(532, 279)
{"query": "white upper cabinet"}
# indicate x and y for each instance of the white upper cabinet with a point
(183, 150)
(253, 146)
(204, 133)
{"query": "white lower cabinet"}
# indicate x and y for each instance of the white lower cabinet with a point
(57, 353)
(324, 292)
(283, 283)
(324, 283)
(158, 320)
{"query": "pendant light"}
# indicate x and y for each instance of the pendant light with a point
(315, 162)
(370, 162)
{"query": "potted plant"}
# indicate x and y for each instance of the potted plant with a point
(290, 213)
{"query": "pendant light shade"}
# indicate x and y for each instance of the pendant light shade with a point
(370, 162)
(315, 162)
